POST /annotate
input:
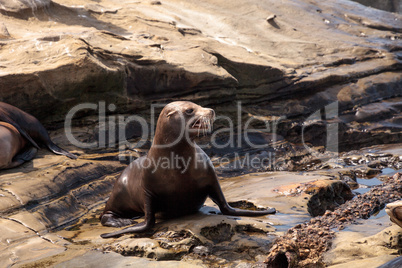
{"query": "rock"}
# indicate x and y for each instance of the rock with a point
(271, 17)
(4, 34)
(17, 6)
(289, 248)
(372, 250)
(388, 5)
(340, 67)
(95, 8)
(201, 250)
(321, 195)
(327, 195)
(394, 210)
(397, 262)
(132, 70)
(219, 233)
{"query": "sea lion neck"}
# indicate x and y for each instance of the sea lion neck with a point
(171, 142)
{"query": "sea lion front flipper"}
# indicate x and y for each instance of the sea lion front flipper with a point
(23, 157)
(218, 198)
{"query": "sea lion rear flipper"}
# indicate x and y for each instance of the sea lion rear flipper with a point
(138, 228)
(147, 224)
(20, 130)
(112, 220)
(57, 150)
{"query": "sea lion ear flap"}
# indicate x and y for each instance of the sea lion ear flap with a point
(170, 113)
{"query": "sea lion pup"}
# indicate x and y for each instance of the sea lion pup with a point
(173, 179)
(30, 128)
(11, 144)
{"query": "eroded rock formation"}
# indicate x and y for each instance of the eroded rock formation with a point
(300, 67)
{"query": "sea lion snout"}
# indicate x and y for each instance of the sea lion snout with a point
(202, 120)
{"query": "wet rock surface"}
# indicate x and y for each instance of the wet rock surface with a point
(303, 70)
(304, 244)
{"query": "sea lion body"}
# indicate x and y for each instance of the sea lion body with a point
(173, 179)
(30, 128)
(11, 143)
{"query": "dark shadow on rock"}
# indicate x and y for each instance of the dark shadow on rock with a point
(273, 24)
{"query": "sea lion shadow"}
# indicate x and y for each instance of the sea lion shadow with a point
(24, 168)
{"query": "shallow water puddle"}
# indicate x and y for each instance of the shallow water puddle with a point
(365, 184)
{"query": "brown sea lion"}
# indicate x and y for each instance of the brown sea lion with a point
(173, 179)
(12, 145)
(30, 128)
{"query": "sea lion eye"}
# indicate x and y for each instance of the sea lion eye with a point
(189, 111)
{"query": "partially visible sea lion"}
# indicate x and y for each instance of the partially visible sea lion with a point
(30, 128)
(12, 145)
(173, 179)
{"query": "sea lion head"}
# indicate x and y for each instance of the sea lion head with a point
(184, 119)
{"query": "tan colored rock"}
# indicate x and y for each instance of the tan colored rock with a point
(394, 210)
(354, 249)
(4, 34)
(145, 52)
(17, 6)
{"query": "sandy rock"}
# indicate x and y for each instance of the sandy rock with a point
(370, 250)
(17, 6)
(95, 8)
(63, 53)
(145, 52)
(394, 210)
(321, 194)
(4, 34)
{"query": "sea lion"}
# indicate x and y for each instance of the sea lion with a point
(30, 128)
(11, 144)
(173, 179)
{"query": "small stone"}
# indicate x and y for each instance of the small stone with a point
(201, 250)
(270, 18)
(4, 32)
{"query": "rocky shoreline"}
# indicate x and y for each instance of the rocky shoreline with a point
(318, 84)
(304, 244)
